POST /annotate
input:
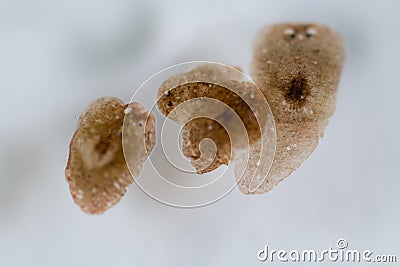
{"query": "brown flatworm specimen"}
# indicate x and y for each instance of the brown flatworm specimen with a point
(297, 67)
(96, 170)
(219, 122)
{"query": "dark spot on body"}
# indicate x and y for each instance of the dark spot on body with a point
(103, 146)
(297, 90)
(169, 104)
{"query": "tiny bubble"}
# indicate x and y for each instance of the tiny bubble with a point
(116, 184)
(127, 110)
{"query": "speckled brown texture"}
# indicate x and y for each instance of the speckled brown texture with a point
(210, 73)
(297, 67)
(242, 97)
(196, 130)
(96, 170)
(298, 75)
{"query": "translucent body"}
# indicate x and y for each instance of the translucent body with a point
(96, 170)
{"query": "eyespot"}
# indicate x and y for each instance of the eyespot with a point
(311, 32)
(291, 32)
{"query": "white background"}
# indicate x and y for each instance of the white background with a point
(58, 56)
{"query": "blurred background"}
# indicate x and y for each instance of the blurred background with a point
(58, 56)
